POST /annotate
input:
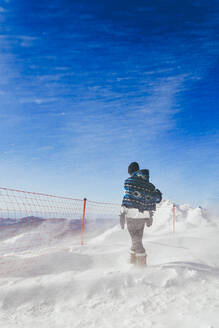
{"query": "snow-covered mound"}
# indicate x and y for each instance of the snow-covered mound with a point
(53, 281)
(186, 217)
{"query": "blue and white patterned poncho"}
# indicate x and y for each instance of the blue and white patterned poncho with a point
(140, 193)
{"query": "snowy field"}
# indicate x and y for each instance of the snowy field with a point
(48, 280)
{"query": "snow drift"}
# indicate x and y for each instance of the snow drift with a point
(48, 280)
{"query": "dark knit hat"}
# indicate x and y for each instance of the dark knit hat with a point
(133, 167)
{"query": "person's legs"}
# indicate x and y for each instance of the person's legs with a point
(136, 229)
(140, 251)
(131, 231)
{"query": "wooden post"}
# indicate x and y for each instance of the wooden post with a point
(83, 222)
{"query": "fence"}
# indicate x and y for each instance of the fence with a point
(30, 209)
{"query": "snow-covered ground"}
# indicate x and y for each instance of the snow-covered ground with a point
(48, 280)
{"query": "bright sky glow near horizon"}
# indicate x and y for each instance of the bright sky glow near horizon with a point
(89, 86)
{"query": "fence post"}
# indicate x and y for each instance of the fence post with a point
(174, 217)
(83, 222)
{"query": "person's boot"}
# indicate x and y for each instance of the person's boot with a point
(132, 257)
(141, 259)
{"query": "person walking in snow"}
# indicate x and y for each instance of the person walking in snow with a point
(137, 209)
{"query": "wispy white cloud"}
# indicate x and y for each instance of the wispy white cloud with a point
(26, 40)
(45, 148)
(55, 77)
(156, 114)
(36, 100)
(16, 39)
(112, 131)
(62, 68)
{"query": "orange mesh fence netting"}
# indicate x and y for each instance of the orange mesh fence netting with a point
(16, 205)
(23, 212)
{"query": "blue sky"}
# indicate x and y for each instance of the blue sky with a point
(87, 87)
